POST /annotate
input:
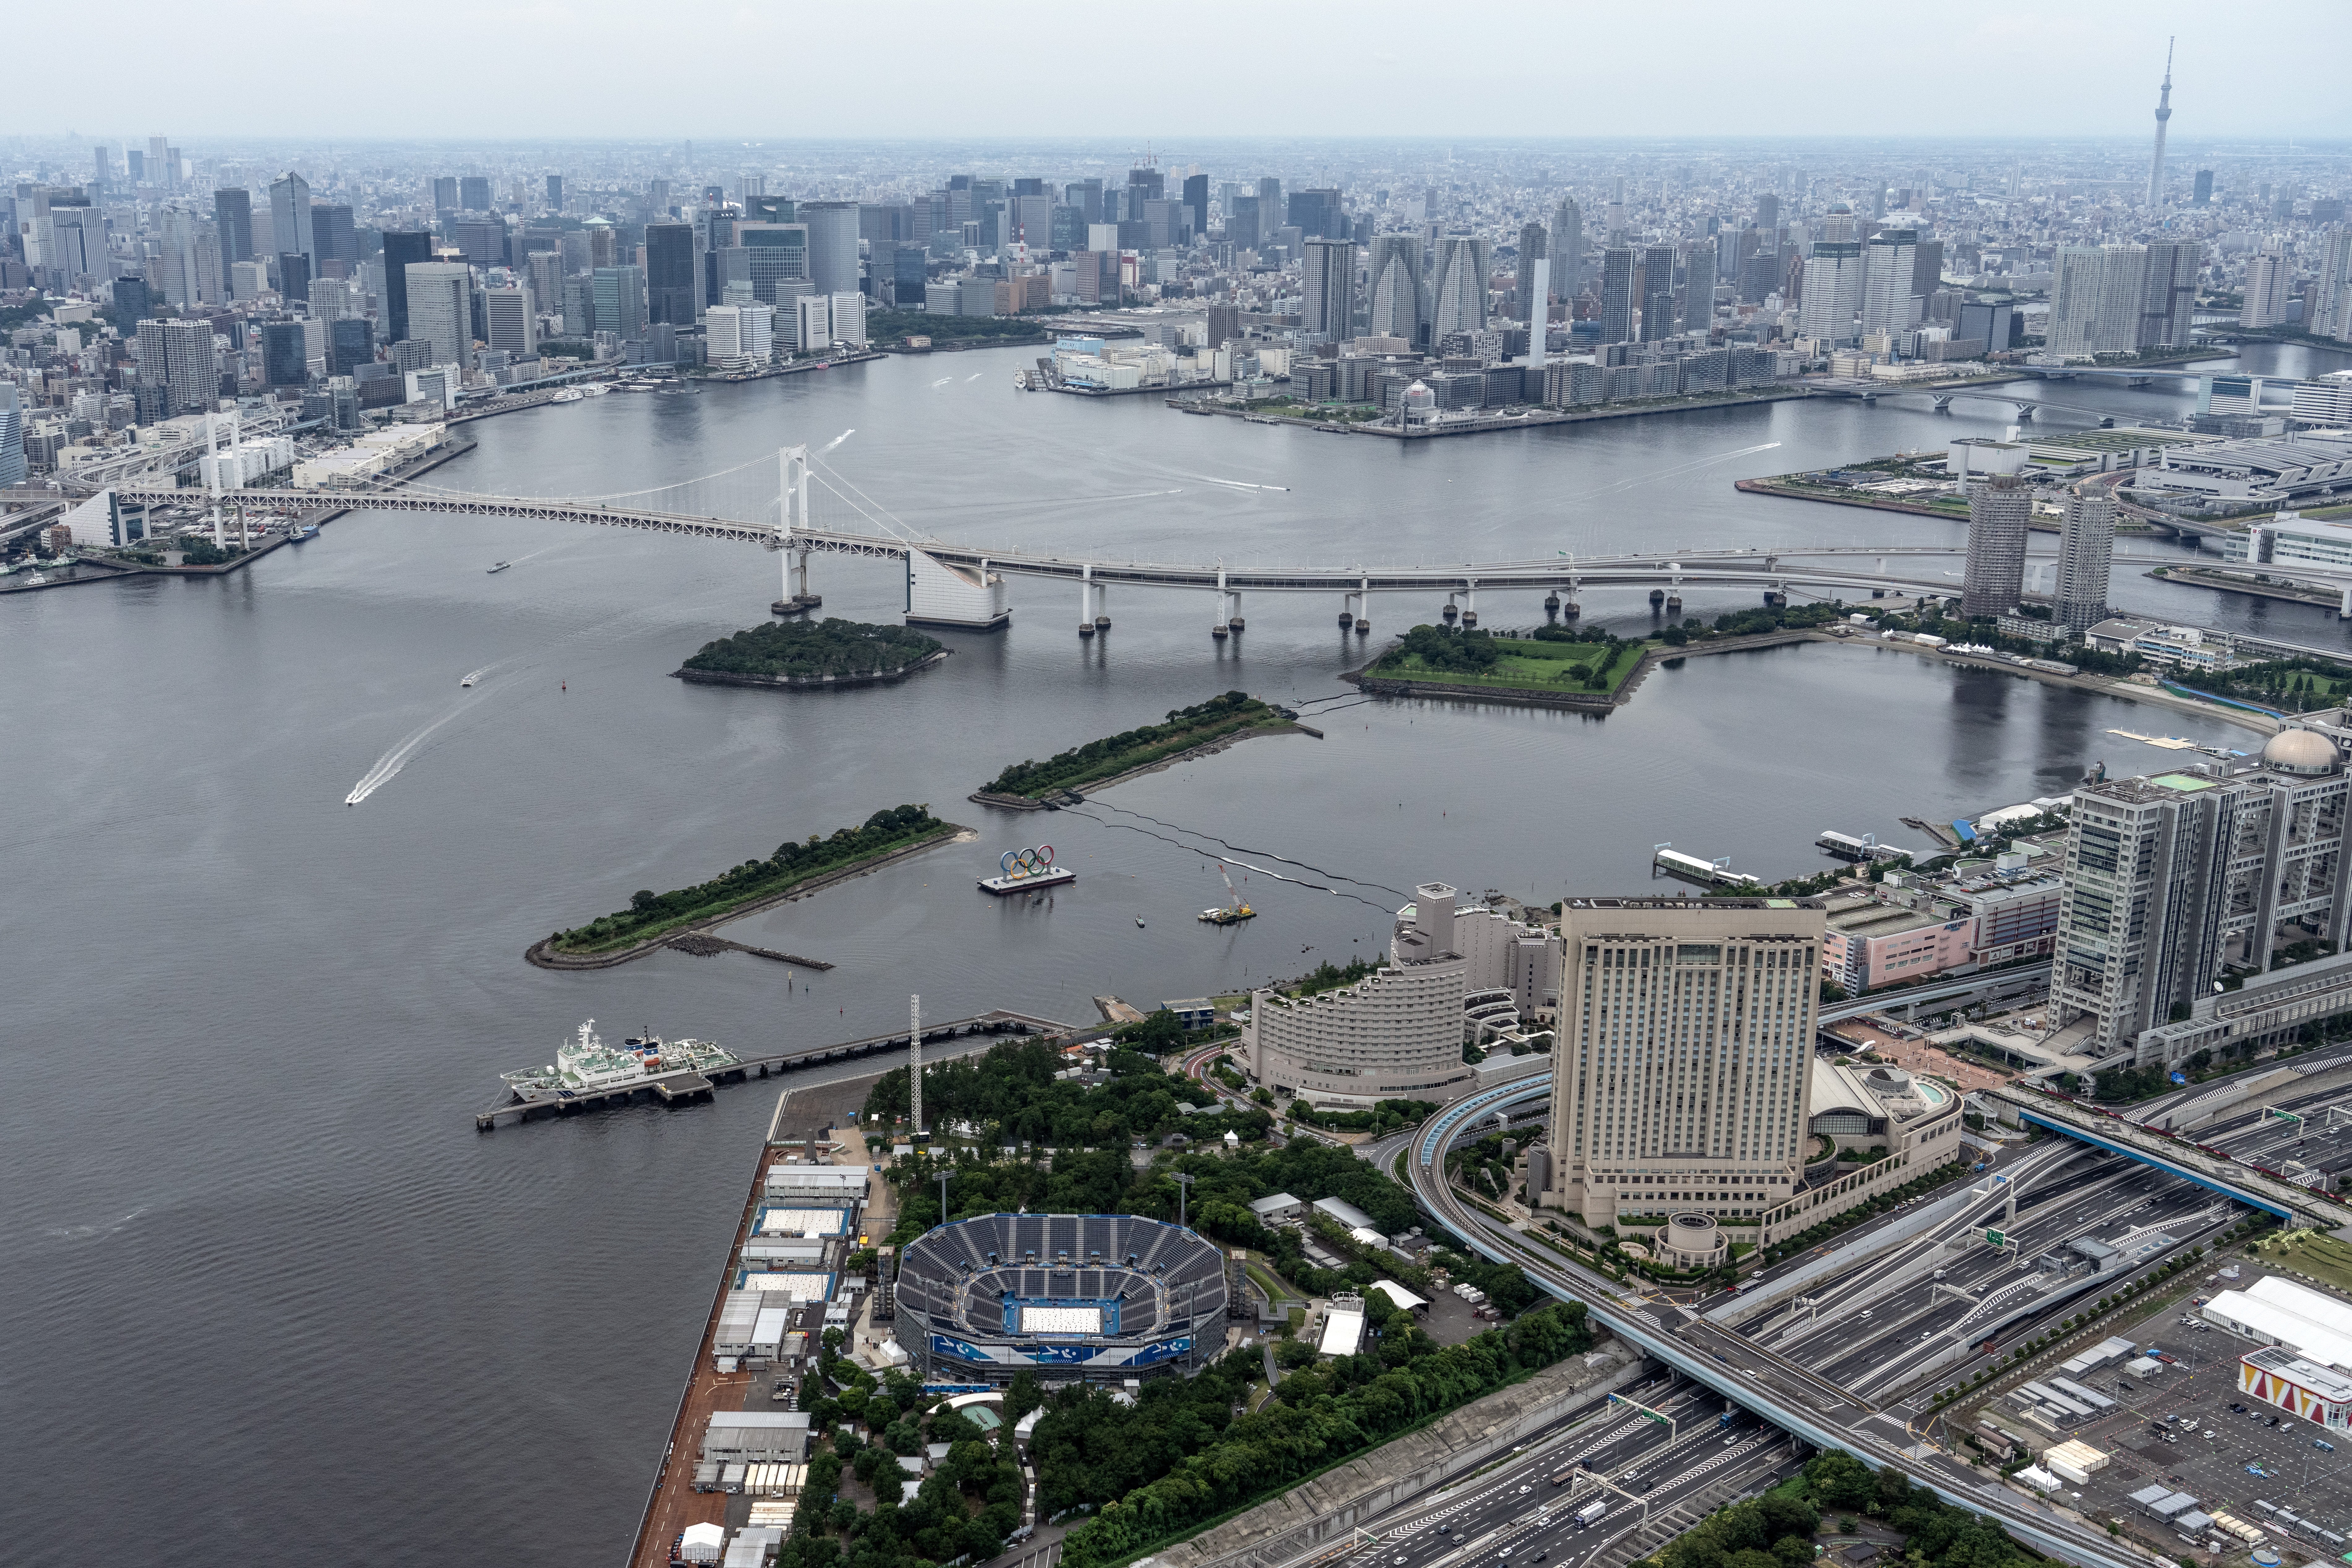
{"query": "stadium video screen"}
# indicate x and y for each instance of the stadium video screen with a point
(1061, 1320)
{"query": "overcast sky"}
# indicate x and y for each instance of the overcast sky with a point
(491, 70)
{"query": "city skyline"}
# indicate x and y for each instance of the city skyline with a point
(2228, 82)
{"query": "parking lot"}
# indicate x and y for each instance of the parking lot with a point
(2178, 1428)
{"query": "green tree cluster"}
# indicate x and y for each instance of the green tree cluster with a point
(803, 648)
(649, 912)
(1450, 648)
(1776, 1531)
(1388, 1116)
(1117, 753)
(1010, 1094)
(201, 551)
(1178, 1455)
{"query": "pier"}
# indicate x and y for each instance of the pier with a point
(1667, 860)
(688, 1085)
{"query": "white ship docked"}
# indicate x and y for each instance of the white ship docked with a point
(586, 1064)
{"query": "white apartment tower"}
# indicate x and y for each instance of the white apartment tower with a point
(1833, 291)
(2098, 297)
(1682, 1069)
(511, 321)
(2269, 287)
(1888, 265)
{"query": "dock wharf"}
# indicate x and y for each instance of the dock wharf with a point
(688, 1085)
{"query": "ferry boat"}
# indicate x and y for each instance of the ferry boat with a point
(594, 389)
(569, 395)
(296, 533)
(586, 1064)
(499, 567)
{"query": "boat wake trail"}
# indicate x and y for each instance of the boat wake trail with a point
(975, 375)
(1234, 848)
(837, 440)
(941, 381)
(1234, 860)
(388, 766)
(1230, 484)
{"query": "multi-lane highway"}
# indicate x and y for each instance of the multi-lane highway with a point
(1523, 1511)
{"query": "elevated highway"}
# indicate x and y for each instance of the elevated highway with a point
(2192, 1163)
(1780, 1390)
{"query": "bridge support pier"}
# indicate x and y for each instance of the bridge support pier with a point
(1363, 606)
(1234, 616)
(1469, 606)
(2025, 413)
(2344, 609)
(1551, 605)
(1452, 611)
(1086, 601)
(1348, 603)
(1217, 627)
(1942, 402)
(1102, 606)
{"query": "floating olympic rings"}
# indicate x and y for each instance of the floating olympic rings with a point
(1027, 862)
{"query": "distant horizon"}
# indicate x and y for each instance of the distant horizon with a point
(927, 70)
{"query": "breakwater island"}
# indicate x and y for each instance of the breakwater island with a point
(794, 870)
(821, 656)
(1187, 732)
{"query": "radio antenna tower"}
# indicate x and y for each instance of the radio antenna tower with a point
(2163, 113)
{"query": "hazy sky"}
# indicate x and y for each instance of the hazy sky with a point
(915, 68)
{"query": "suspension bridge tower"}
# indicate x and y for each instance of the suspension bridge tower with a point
(791, 504)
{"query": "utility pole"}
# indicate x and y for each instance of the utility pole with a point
(944, 1175)
(1183, 1186)
(915, 1059)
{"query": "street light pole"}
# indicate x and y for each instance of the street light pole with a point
(944, 1175)
(1183, 1186)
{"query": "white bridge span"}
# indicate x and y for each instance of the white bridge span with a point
(952, 584)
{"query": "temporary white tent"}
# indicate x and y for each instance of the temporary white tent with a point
(703, 1542)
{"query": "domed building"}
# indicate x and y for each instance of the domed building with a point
(2305, 753)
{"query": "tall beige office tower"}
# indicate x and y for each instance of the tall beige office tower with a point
(1682, 1067)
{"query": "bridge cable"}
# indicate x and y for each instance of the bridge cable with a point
(1246, 849)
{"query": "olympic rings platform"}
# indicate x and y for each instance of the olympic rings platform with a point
(1025, 871)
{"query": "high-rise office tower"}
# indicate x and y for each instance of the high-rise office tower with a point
(350, 342)
(776, 257)
(232, 216)
(1457, 294)
(1329, 306)
(603, 245)
(2168, 880)
(285, 354)
(293, 275)
(1196, 202)
(1617, 264)
(1768, 218)
(290, 218)
(163, 168)
(1926, 267)
(445, 193)
(2203, 194)
(1534, 247)
(102, 165)
(2331, 296)
(620, 300)
(670, 269)
(337, 241)
(1698, 299)
(1566, 248)
(1683, 1068)
(401, 247)
(1393, 288)
(2168, 301)
(441, 310)
(1889, 263)
(512, 321)
(2270, 282)
(555, 192)
(1241, 223)
(543, 271)
(2087, 552)
(1269, 209)
(1657, 292)
(474, 193)
(1999, 510)
(13, 469)
(2163, 114)
(832, 245)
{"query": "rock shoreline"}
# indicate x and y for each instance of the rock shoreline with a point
(810, 683)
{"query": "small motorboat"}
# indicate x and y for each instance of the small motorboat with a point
(1138, 922)
(499, 567)
(467, 680)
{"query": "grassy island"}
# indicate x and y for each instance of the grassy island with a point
(652, 915)
(812, 652)
(1116, 754)
(1583, 662)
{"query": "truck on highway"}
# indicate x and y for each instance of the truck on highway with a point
(1591, 1513)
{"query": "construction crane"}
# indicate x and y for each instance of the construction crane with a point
(1233, 911)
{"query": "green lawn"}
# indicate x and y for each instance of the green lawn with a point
(1526, 665)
